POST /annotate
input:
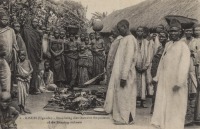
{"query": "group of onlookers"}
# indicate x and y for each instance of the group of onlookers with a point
(162, 65)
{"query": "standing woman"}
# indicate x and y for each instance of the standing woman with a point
(71, 58)
(57, 60)
(90, 57)
(98, 56)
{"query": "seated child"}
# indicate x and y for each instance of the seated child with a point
(45, 79)
(8, 114)
(24, 70)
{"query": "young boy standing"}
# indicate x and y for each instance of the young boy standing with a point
(24, 70)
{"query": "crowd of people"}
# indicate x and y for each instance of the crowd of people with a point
(40, 58)
(162, 65)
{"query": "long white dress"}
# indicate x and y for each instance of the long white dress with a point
(170, 107)
(124, 99)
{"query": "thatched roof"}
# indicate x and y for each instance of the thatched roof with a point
(151, 13)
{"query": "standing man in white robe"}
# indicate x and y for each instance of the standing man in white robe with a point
(109, 67)
(171, 97)
(143, 62)
(123, 77)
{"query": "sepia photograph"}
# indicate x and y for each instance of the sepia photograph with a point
(99, 64)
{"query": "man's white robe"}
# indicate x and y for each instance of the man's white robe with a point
(143, 61)
(124, 99)
(170, 107)
(110, 61)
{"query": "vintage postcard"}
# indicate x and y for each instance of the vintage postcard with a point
(99, 64)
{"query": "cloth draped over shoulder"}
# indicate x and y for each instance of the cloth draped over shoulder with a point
(5, 76)
(23, 84)
(21, 44)
(33, 41)
(8, 38)
(156, 60)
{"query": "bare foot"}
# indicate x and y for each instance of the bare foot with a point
(22, 113)
(27, 111)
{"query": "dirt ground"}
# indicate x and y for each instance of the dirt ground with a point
(41, 119)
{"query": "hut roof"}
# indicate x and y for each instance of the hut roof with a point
(151, 13)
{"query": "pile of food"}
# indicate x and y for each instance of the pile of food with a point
(77, 100)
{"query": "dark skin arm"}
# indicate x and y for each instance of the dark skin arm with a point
(176, 88)
(60, 52)
(122, 83)
(102, 48)
(139, 70)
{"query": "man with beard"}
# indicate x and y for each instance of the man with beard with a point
(33, 41)
(171, 96)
